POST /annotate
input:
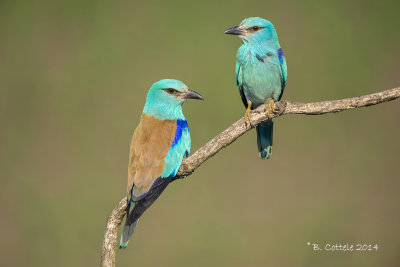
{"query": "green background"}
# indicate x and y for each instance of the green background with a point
(73, 81)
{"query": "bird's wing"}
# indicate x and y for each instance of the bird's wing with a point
(239, 83)
(179, 146)
(283, 73)
(150, 145)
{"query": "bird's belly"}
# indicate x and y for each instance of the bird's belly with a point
(261, 83)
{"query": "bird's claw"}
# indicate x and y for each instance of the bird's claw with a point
(247, 115)
(248, 119)
(270, 106)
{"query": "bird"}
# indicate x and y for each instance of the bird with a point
(158, 146)
(261, 73)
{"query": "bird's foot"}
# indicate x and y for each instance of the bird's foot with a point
(270, 106)
(247, 114)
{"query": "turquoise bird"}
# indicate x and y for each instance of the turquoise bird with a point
(158, 146)
(261, 73)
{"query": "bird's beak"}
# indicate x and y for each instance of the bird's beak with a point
(190, 94)
(235, 31)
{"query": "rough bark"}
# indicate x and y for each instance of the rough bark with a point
(232, 133)
(110, 234)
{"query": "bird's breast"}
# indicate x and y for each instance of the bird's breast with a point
(261, 80)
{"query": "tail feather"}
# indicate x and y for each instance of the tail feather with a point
(264, 138)
(129, 228)
(137, 208)
(127, 233)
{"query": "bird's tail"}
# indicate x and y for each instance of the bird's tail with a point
(264, 138)
(129, 228)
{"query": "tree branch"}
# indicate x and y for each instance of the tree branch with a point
(232, 133)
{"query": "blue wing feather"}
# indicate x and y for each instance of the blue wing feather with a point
(179, 147)
(239, 84)
(283, 73)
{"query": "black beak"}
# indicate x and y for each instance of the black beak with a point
(190, 94)
(234, 30)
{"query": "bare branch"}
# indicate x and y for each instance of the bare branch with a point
(111, 232)
(281, 108)
(232, 133)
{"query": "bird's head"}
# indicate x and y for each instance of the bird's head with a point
(172, 92)
(167, 96)
(254, 29)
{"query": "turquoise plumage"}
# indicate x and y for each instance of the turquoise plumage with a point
(261, 73)
(158, 146)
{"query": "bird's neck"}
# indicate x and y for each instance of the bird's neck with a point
(164, 111)
(250, 51)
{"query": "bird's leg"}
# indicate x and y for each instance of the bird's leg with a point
(270, 106)
(247, 114)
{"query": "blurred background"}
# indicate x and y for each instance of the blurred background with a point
(73, 81)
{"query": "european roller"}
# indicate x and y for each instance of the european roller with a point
(261, 73)
(158, 146)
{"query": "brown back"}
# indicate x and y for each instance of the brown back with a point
(149, 146)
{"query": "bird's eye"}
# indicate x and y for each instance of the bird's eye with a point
(170, 90)
(255, 28)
